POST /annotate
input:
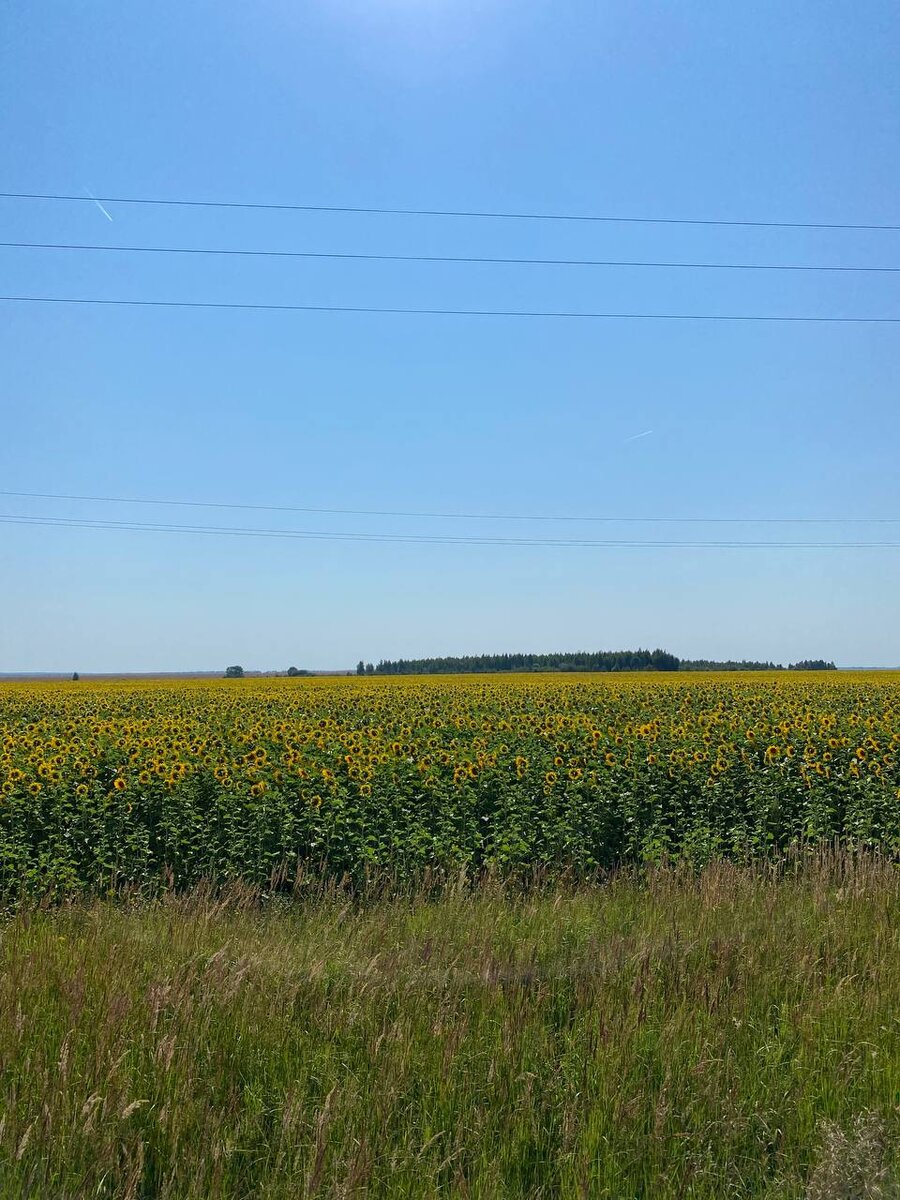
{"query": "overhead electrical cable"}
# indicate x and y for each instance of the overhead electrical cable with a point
(453, 516)
(478, 214)
(469, 259)
(535, 314)
(433, 539)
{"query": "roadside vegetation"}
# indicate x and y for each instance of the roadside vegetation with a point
(728, 1033)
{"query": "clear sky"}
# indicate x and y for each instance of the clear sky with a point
(762, 111)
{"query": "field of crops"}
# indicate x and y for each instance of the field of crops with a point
(701, 1027)
(271, 780)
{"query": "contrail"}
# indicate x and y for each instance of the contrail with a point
(634, 437)
(99, 205)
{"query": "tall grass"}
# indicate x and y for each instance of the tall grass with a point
(730, 1034)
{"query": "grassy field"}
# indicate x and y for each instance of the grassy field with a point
(733, 1033)
(155, 783)
(556, 936)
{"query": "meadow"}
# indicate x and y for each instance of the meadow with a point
(275, 781)
(732, 1032)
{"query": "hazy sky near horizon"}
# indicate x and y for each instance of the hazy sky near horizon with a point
(763, 112)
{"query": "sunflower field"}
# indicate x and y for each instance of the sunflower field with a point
(271, 780)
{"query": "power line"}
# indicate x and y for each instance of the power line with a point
(432, 539)
(448, 258)
(454, 516)
(450, 312)
(373, 210)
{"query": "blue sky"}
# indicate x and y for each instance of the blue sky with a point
(761, 111)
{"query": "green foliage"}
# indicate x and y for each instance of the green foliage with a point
(600, 660)
(234, 672)
(727, 1035)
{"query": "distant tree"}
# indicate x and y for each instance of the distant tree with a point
(234, 672)
(812, 664)
(360, 667)
(75, 676)
(370, 668)
(295, 672)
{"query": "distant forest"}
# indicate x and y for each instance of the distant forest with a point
(598, 660)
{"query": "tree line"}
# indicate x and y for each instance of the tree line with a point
(709, 664)
(597, 660)
(469, 664)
